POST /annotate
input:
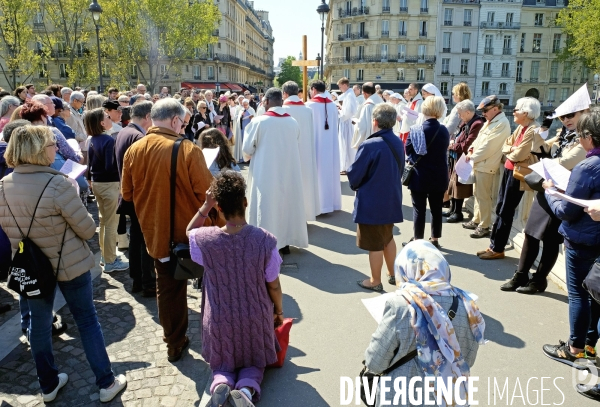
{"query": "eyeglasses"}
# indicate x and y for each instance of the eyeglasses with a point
(567, 116)
(202, 107)
(486, 110)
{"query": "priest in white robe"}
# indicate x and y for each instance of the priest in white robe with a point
(260, 110)
(308, 156)
(410, 118)
(275, 190)
(397, 102)
(346, 132)
(364, 126)
(325, 115)
(360, 99)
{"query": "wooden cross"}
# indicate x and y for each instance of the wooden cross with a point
(305, 64)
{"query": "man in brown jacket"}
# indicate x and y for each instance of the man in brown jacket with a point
(146, 181)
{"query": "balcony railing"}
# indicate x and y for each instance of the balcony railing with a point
(445, 49)
(462, 1)
(464, 72)
(566, 80)
(488, 51)
(385, 34)
(385, 9)
(505, 74)
(356, 11)
(555, 50)
(404, 9)
(353, 36)
(503, 92)
(466, 50)
(485, 92)
(500, 25)
(506, 51)
(445, 72)
(533, 80)
(519, 79)
(415, 59)
(211, 77)
(424, 10)
(487, 73)
(402, 33)
(448, 22)
(444, 92)
(536, 50)
(467, 23)
(553, 80)
(422, 34)
(197, 77)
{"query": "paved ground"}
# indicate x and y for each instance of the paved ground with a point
(331, 331)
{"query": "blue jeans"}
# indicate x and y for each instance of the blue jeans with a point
(584, 313)
(78, 295)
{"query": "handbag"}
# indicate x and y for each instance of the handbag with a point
(181, 264)
(409, 168)
(282, 335)
(365, 373)
(535, 181)
(521, 170)
(30, 272)
(592, 281)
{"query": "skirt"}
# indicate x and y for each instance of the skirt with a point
(456, 190)
(542, 220)
(374, 238)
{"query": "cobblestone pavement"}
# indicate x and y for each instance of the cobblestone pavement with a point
(134, 342)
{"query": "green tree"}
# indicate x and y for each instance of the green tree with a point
(155, 36)
(289, 72)
(581, 22)
(16, 35)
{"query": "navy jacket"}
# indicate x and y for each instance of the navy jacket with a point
(577, 226)
(64, 128)
(102, 162)
(377, 179)
(4, 169)
(431, 173)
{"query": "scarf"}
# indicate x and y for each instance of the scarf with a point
(417, 137)
(593, 151)
(567, 139)
(424, 272)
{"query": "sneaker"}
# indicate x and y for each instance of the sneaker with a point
(470, 225)
(478, 233)
(123, 242)
(102, 262)
(63, 378)
(562, 354)
(590, 353)
(591, 392)
(116, 265)
(239, 399)
(219, 396)
(110, 393)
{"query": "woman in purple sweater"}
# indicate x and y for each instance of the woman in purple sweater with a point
(242, 298)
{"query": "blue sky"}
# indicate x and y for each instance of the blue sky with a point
(291, 19)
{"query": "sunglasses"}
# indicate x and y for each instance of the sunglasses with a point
(567, 116)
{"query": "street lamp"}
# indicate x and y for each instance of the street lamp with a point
(218, 85)
(318, 59)
(96, 11)
(323, 9)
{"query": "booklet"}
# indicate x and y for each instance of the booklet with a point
(581, 202)
(550, 169)
(73, 170)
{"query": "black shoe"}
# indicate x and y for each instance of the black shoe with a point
(285, 250)
(436, 243)
(412, 239)
(533, 287)
(136, 287)
(455, 218)
(392, 280)
(591, 392)
(562, 354)
(149, 292)
(178, 353)
(446, 204)
(58, 328)
(447, 213)
(518, 280)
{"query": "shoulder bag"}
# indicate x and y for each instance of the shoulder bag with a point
(30, 272)
(366, 373)
(181, 263)
(592, 281)
(409, 168)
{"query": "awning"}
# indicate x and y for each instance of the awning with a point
(198, 85)
(232, 86)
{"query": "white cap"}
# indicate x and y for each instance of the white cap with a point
(431, 88)
(397, 96)
(578, 101)
(388, 92)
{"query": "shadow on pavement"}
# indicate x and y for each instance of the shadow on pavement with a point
(500, 270)
(555, 296)
(332, 240)
(291, 308)
(494, 331)
(341, 219)
(283, 386)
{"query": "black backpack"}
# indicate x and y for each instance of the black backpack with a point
(30, 272)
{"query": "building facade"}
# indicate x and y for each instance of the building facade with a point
(391, 42)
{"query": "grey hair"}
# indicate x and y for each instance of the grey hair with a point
(291, 88)
(465, 106)
(275, 95)
(65, 89)
(92, 93)
(123, 98)
(589, 125)
(167, 109)
(40, 97)
(77, 96)
(141, 110)
(385, 115)
(94, 101)
(147, 96)
(529, 105)
(7, 102)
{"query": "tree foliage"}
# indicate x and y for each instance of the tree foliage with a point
(16, 35)
(289, 72)
(156, 35)
(581, 22)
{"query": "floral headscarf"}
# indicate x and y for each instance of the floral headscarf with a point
(423, 271)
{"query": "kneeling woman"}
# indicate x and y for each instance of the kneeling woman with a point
(242, 299)
(416, 318)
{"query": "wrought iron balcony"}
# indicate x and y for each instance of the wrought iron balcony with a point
(485, 92)
(385, 34)
(385, 9)
(487, 73)
(414, 59)
(445, 72)
(506, 51)
(448, 22)
(445, 49)
(424, 10)
(488, 51)
(422, 34)
(402, 33)
(466, 50)
(505, 74)
(503, 92)
(500, 25)
(536, 50)
(533, 80)
(353, 36)
(566, 80)
(356, 11)
(462, 1)
(553, 80)
(404, 9)
(467, 23)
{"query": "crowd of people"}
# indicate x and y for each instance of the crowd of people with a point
(136, 145)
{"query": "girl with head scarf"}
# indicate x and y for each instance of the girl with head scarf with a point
(417, 318)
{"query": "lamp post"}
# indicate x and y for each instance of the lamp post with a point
(451, 87)
(218, 85)
(318, 59)
(96, 10)
(596, 77)
(323, 9)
